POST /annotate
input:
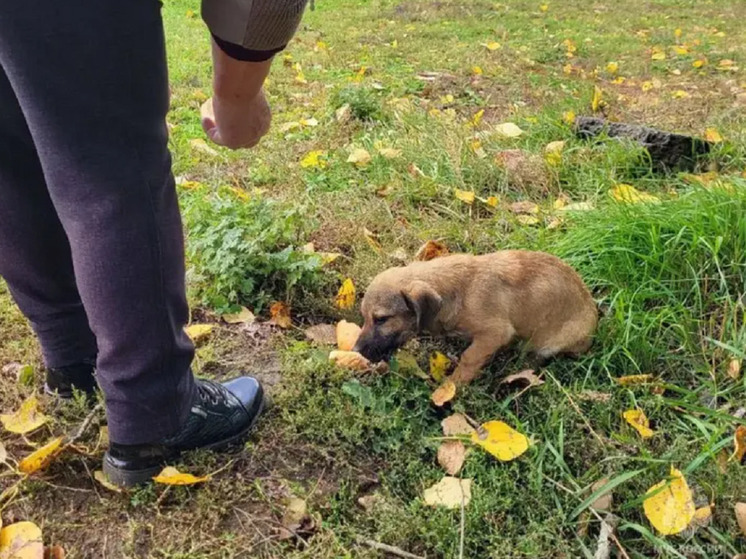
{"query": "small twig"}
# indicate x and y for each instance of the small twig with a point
(577, 409)
(86, 423)
(388, 548)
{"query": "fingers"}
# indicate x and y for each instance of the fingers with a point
(237, 127)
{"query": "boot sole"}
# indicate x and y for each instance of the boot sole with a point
(131, 478)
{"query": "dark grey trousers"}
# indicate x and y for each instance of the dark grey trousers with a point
(91, 242)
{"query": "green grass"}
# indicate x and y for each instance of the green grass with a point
(669, 277)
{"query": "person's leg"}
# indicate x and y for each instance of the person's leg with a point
(91, 80)
(35, 255)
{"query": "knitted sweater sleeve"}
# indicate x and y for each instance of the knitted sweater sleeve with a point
(252, 29)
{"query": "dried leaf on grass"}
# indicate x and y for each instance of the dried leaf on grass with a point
(26, 419)
(243, 316)
(740, 510)
(603, 502)
(279, 315)
(451, 456)
(500, 440)
(346, 295)
(21, 540)
(325, 334)
(456, 424)
(100, 477)
(296, 520)
(439, 365)
(527, 377)
(198, 332)
(630, 195)
(594, 396)
(431, 250)
(450, 492)
(670, 507)
(508, 130)
(631, 380)
(360, 157)
(171, 476)
(466, 196)
(444, 393)
(41, 457)
(734, 369)
(638, 420)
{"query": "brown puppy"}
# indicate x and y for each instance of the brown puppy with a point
(489, 299)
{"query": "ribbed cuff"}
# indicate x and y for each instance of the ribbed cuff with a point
(246, 55)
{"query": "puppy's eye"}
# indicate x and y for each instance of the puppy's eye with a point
(380, 320)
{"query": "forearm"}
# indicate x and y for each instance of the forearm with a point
(236, 81)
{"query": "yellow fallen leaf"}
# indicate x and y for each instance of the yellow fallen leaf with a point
(26, 419)
(569, 117)
(527, 220)
(555, 147)
(577, 207)
(544, 7)
(360, 157)
(198, 332)
(658, 55)
(500, 440)
(612, 67)
(734, 369)
(450, 492)
(680, 94)
(630, 195)
(350, 360)
(508, 130)
(739, 442)
(372, 240)
(492, 45)
(190, 14)
(492, 201)
(451, 456)
(740, 510)
(639, 421)
(456, 424)
(279, 315)
(346, 295)
(444, 393)
(171, 476)
(598, 99)
(244, 316)
(41, 457)
(670, 507)
(315, 159)
(477, 71)
(100, 477)
(431, 250)
(389, 153)
(477, 118)
(712, 135)
(630, 380)
(310, 122)
(190, 185)
(21, 540)
(199, 144)
(681, 51)
(347, 335)
(439, 365)
(699, 63)
(677, 33)
(467, 197)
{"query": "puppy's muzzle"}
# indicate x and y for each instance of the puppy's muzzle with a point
(376, 348)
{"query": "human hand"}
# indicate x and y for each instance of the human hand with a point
(236, 123)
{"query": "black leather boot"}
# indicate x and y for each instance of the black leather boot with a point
(222, 414)
(62, 380)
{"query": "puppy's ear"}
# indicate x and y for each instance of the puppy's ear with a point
(423, 301)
